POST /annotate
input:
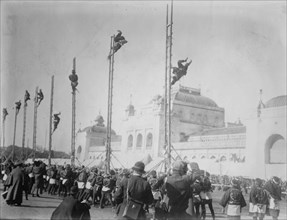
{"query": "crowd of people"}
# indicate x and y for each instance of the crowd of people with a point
(181, 193)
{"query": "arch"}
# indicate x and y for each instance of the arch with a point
(130, 142)
(212, 157)
(223, 158)
(194, 157)
(139, 141)
(274, 146)
(202, 157)
(149, 141)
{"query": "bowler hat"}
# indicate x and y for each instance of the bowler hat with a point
(139, 167)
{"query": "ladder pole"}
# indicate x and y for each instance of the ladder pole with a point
(169, 86)
(73, 116)
(24, 128)
(14, 137)
(50, 120)
(165, 82)
(108, 139)
(35, 123)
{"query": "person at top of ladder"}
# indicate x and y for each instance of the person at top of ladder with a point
(119, 41)
(56, 120)
(40, 96)
(18, 106)
(27, 96)
(180, 71)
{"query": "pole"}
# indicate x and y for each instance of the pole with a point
(3, 128)
(35, 123)
(24, 128)
(169, 89)
(109, 118)
(50, 120)
(165, 82)
(73, 117)
(14, 137)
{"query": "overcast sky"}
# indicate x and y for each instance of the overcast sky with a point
(237, 49)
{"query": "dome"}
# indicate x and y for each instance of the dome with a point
(276, 102)
(100, 129)
(194, 99)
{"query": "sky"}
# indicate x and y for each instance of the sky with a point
(236, 47)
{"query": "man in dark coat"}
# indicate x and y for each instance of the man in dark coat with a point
(121, 191)
(72, 209)
(138, 189)
(178, 187)
(14, 196)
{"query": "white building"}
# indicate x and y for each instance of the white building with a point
(198, 132)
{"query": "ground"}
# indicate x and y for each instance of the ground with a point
(42, 208)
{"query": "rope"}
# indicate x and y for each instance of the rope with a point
(118, 160)
(157, 165)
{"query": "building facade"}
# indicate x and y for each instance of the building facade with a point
(198, 131)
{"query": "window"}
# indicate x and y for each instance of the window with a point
(191, 116)
(79, 149)
(130, 142)
(139, 141)
(149, 141)
(278, 152)
(275, 149)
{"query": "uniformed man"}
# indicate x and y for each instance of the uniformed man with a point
(234, 200)
(40, 96)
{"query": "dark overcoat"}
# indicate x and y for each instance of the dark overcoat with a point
(139, 190)
(16, 186)
(179, 191)
(71, 209)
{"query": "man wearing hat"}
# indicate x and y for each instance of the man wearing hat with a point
(274, 191)
(16, 183)
(234, 200)
(178, 187)
(71, 208)
(138, 190)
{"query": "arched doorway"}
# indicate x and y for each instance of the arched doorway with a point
(275, 150)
